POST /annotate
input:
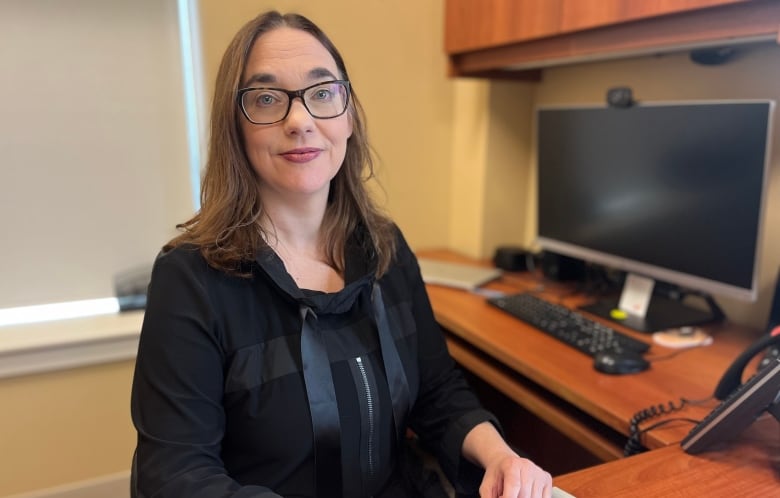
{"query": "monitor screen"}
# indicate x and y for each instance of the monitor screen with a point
(670, 191)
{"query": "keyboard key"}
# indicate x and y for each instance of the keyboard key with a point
(567, 325)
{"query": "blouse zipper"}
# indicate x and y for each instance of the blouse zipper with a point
(371, 422)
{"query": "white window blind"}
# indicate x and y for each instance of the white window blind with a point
(94, 158)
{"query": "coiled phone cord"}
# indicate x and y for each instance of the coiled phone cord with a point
(634, 444)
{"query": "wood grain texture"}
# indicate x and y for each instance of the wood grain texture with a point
(509, 352)
(475, 24)
(577, 15)
(547, 410)
(559, 385)
(578, 31)
(746, 466)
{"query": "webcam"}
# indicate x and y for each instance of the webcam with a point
(712, 56)
(620, 96)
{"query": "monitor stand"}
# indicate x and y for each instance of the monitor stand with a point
(662, 312)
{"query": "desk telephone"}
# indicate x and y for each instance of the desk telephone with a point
(732, 378)
(742, 403)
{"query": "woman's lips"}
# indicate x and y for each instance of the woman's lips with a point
(302, 155)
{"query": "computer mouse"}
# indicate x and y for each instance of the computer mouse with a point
(625, 362)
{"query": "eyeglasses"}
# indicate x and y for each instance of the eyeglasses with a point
(270, 105)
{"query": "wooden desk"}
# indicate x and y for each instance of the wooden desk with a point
(747, 466)
(558, 383)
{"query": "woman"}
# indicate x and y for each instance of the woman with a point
(288, 342)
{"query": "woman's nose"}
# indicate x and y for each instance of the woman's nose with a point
(298, 119)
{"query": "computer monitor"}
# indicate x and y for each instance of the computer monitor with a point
(671, 191)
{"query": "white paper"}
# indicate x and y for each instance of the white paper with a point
(636, 294)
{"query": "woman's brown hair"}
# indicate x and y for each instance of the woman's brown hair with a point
(226, 229)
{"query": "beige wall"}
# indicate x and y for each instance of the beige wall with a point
(65, 426)
(456, 166)
(393, 52)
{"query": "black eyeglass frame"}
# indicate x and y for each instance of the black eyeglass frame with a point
(292, 94)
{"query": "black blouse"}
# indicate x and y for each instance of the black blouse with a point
(252, 387)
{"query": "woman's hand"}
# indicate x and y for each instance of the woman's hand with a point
(506, 474)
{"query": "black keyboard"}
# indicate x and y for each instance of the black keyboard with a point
(569, 326)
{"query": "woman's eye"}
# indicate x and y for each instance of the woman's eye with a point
(265, 100)
(323, 94)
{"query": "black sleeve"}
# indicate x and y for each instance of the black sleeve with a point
(177, 389)
(446, 408)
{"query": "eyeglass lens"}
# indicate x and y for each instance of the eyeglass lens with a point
(268, 105)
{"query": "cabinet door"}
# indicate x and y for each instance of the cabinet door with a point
(514, 38)
(478, 24)
(475, 24)
(577, 15)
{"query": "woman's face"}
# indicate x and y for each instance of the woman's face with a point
(299, 155)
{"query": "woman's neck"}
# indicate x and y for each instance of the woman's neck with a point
(293, 229)
(294, 233)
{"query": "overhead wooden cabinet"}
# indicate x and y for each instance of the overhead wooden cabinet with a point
(512, 38)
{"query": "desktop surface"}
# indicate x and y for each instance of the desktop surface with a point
(559, 383)
(746, 466)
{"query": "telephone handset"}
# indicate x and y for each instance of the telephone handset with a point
(732, 378)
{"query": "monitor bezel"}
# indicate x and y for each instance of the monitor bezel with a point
(618, 262)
